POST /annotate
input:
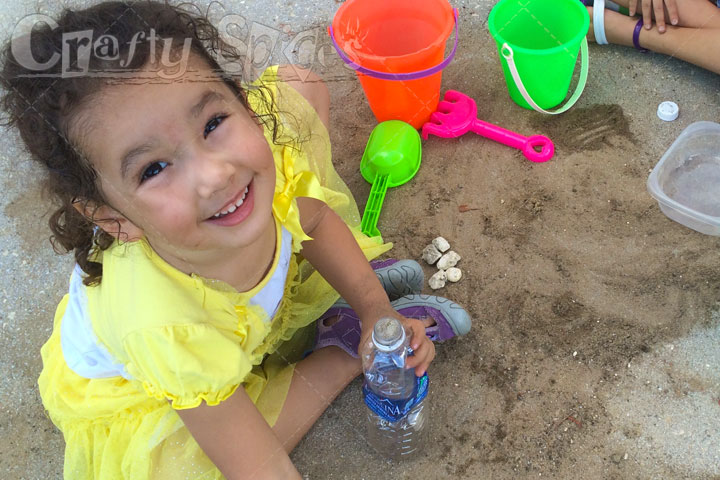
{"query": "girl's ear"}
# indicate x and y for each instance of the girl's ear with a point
(110, 220)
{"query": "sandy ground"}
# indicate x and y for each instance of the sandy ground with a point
(595, 348)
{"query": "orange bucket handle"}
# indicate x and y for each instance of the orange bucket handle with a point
(397, 76)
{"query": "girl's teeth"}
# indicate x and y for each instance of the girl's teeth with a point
(232, 207)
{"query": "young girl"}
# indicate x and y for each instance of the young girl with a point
(693, 36)
(209, 229)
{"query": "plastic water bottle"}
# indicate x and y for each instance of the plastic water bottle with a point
(393, 394)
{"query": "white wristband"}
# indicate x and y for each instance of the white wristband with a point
(599, 22)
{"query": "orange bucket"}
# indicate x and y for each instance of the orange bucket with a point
(396, 48)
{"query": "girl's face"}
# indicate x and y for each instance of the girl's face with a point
(182, 163)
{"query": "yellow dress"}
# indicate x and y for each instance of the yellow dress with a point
(182, 339)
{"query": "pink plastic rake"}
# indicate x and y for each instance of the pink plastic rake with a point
(457, 114)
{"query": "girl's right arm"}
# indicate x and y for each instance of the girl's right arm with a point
(236, 437)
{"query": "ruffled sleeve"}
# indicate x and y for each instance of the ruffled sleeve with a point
(187, 364)
(293, 180)
(303, 161)
(301, 148)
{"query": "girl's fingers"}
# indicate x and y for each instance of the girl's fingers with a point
(418, 333)
(422, 368)
(647, 13)
(421, 358)
(673, 11)
(659, 9)
(423, 348)
(632, 7)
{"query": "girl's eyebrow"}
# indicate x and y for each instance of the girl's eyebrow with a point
(207, 97)
(129, 158)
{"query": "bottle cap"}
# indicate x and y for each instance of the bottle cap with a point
(388, 334)
(668, 111)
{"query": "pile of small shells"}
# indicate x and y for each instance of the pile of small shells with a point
(438, 253)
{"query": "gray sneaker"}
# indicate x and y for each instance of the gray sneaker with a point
(450, 318)
(399, 277)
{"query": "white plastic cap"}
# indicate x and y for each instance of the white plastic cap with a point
(668, 111)
(388, 334)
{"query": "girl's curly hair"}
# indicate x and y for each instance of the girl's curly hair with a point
(41, 104)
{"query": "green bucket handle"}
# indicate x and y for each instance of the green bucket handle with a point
(507, 52)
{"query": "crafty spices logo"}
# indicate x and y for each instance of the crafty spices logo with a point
(262, 45)
(78, 48)
(87, 53)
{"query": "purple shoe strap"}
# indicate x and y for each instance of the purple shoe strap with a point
(636, 36)
(345, 333)
(440, 331)
(378, 264)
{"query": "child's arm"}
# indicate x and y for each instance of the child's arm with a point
(235, 436)
(334, 252)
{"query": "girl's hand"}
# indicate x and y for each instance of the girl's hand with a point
(658, 8)
(423, 347)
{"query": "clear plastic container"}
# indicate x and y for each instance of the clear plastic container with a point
(686, 180)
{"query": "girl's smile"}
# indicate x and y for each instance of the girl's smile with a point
(236, 210)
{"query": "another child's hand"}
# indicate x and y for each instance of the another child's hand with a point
(658, 7)
(423, 347)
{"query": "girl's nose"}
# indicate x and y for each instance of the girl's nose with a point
(213, 173)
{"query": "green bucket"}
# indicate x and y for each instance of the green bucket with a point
(538, 42)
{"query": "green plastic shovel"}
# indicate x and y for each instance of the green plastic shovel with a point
(392, 157)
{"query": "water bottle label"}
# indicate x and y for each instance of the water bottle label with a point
(394, 410)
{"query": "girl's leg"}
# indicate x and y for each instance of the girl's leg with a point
(692, 13)
(699, 46)
(317, 380)
(309, 86)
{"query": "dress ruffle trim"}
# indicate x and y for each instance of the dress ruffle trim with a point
(159, 376)
(301, 184)
(180, 403)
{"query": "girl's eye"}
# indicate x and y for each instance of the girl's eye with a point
(213, 124)
(152, 170)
